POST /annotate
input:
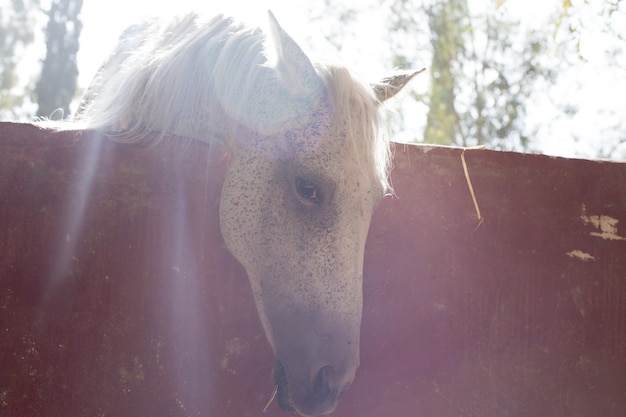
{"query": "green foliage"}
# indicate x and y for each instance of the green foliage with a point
(334, 30)
(503, 71)
(16, 34)
(483, 72)
(572, 17)
(590, 35)
(448, 23)
(57, 85)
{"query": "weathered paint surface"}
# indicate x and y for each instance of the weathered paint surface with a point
(523, 314)
(117, 296)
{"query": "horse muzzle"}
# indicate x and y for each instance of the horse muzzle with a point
(310, 396)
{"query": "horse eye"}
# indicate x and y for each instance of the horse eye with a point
(308, 191)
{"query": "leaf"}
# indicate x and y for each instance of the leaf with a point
(567, 4)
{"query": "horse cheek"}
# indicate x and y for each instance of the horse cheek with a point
(241, 208)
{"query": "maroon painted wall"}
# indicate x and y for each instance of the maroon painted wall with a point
(118, 298)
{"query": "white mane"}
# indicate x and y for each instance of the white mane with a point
(189, 76)
(356, 105)
(161, 78)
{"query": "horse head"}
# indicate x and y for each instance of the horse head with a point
(308, 170)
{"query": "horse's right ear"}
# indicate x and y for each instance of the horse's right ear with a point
(390, 86)
(292, 64)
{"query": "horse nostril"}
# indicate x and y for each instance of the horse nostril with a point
(321, 384)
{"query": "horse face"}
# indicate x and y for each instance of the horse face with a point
(295, 211)
(298, 224)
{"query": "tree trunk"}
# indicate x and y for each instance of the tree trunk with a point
(55, 90)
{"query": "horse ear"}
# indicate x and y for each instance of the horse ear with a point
(292, 64)
(390, 86)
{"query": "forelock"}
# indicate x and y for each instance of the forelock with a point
(358, 112)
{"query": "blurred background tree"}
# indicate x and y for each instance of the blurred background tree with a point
(57, 85)
(492, 75)
(29, 86)
(17, 33)
(495, 77)
(484, 70)
(591, 38)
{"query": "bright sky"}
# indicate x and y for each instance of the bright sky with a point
(105, 20)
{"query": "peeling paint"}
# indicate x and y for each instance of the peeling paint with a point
(584, 256)
(606, 225)
(234, 348)
(440, 306)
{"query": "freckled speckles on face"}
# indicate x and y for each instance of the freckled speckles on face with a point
(305, 259)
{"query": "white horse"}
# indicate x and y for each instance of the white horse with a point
(308, 167)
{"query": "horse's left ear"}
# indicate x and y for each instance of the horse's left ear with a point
(292, 64)
(390, 86)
